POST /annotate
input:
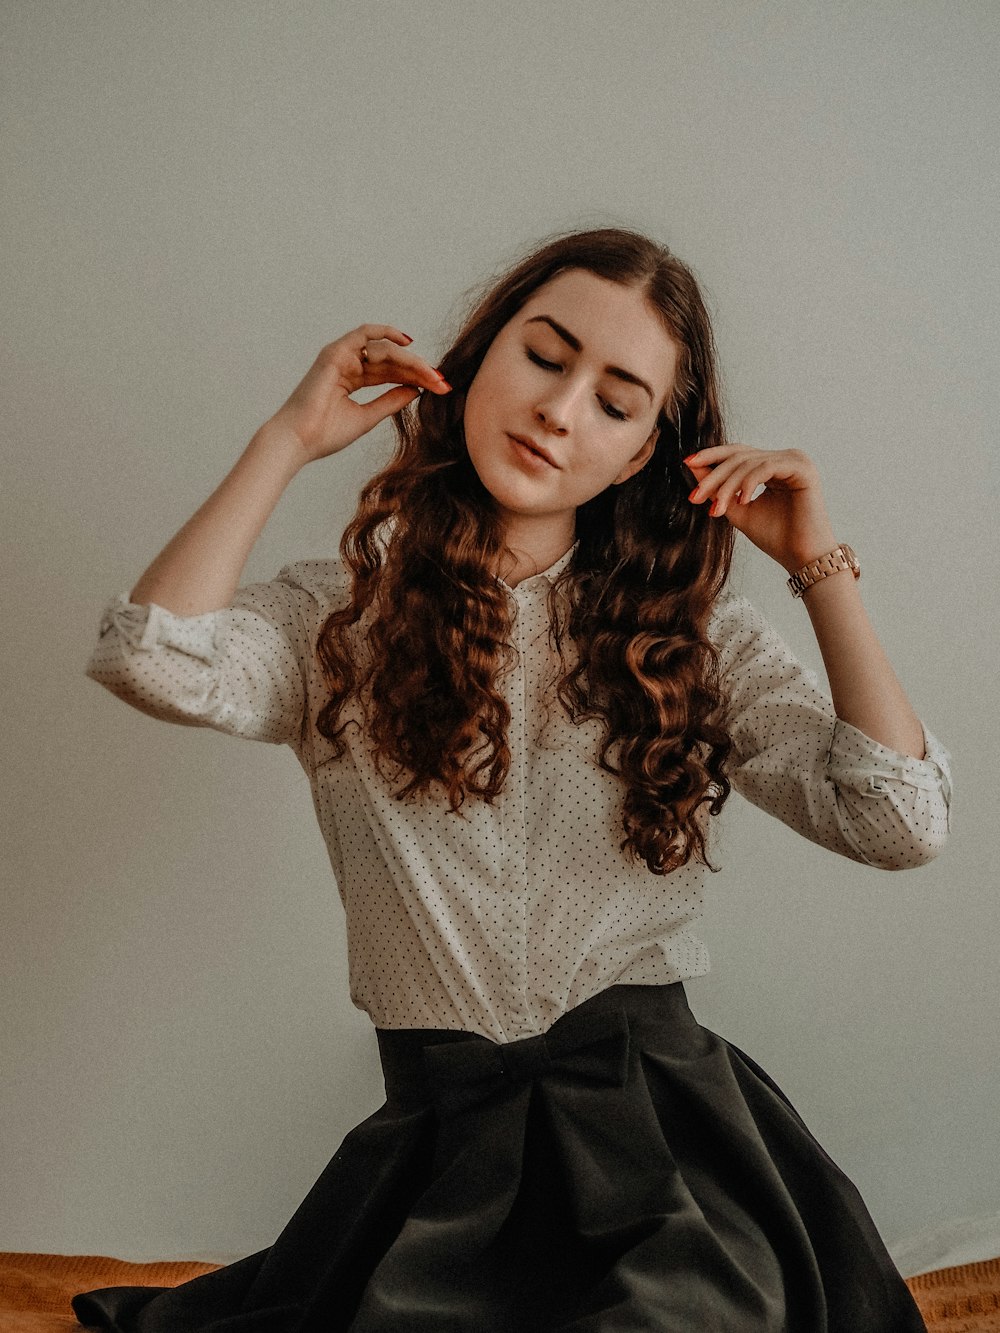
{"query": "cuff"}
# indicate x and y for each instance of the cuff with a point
(857, 761)
(148, 627)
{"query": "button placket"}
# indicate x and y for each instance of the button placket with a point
(515, 913)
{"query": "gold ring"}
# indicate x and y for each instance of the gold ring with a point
(364, 353)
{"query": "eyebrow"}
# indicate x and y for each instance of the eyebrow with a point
(577, 346)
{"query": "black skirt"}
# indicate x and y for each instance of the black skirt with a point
(627, 1170)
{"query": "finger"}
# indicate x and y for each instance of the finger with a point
(369, 332)
(751, 488)
(385, 405)
(715, 454)
(404, 367)
(710, 479)
(733, 482)
(700, 473)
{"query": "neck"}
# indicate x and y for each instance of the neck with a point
(530, 551)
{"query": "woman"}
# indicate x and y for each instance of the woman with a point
(519, 696)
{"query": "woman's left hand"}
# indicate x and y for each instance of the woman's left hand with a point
(788, 521)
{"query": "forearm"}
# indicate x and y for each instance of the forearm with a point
(200, 567)
(789, 522)
(863, 685)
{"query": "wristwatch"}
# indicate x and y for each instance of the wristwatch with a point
(831, 563)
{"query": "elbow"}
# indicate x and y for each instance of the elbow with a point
(924, 843)
(909, 854)
(891, 835)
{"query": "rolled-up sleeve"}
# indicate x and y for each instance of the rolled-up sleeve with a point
(794, 758)
(242, 670)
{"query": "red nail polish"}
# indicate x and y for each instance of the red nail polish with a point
(693, 493)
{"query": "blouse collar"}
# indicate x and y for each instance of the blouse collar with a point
(549, 575)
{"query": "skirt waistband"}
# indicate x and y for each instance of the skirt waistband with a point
(659, 1013)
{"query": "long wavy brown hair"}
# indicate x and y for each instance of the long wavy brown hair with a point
(426, 635)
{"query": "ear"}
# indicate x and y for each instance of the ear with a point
(640, 459)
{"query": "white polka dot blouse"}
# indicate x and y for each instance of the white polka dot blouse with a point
(499, 920)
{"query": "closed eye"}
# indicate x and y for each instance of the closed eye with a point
(616, 412)
(548, 365)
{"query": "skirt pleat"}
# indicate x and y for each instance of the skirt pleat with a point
(627, 1170)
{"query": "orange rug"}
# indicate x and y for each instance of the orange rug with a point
(965, 1299)
(35, 1290)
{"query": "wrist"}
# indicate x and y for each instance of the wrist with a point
(837, 559)
(807, 552)
(280, 446)
(809, 594)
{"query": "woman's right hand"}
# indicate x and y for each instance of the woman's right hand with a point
(321, 413)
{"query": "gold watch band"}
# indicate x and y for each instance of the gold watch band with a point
(841, 558)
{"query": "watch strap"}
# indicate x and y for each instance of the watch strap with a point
(840, 558)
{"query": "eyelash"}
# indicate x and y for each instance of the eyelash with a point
(615, 412)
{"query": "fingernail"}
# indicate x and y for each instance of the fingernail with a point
(693, 493)
(406, 336)
(438, 373)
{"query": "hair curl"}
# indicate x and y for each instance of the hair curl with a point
(426, 635)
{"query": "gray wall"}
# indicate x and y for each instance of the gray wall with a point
(196, 198)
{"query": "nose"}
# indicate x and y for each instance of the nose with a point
(555, 408)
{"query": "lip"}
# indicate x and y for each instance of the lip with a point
(536, 450)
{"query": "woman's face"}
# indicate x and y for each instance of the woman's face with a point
(580, 374)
